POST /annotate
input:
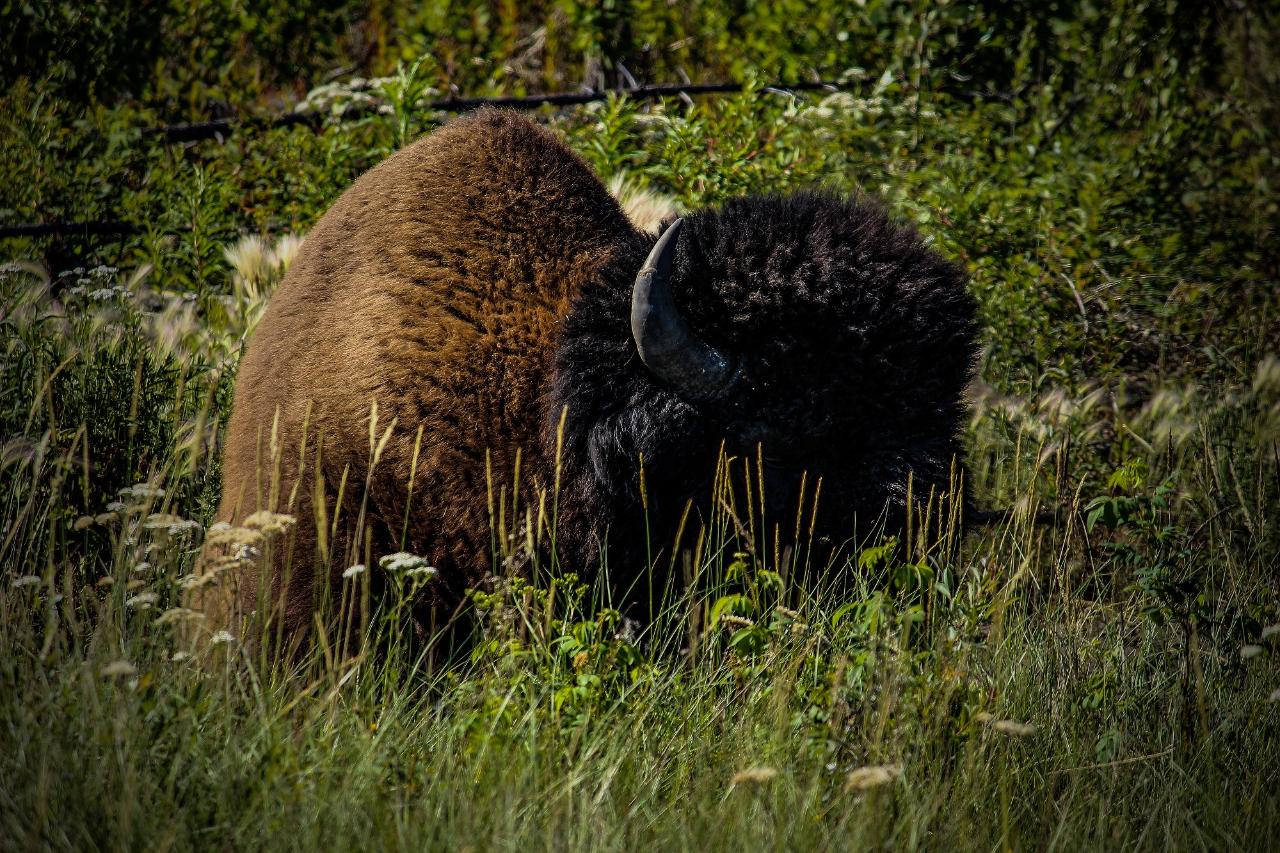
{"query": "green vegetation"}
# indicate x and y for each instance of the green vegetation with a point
(1108, 175)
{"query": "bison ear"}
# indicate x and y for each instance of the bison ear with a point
(667, 345)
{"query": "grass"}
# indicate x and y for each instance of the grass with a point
(1109, 680)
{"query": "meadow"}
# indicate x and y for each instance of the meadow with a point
(1097, 668)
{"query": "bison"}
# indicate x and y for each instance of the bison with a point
(520, 337)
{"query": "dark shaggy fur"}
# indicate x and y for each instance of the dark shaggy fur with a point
(480, 280)
(857, 341)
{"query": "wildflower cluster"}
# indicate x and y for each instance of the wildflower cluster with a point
(97, 284)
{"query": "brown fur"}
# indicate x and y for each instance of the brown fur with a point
(435, 287)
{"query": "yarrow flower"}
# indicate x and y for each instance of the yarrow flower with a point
(352, 571)
(222, 638)
(407, 564)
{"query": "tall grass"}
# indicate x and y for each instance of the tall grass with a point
(1030, 686)
(1109, 679)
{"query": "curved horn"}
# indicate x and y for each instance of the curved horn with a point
(667, 345)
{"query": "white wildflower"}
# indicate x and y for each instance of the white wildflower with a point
(401, 561)
(246, 553)
(352, 571)
(180, 656)
(1250, 651)
(1271, 630)
(222, 638)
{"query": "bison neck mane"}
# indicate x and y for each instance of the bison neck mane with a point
(857, 342)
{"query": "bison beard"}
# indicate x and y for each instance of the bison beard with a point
(480, 283)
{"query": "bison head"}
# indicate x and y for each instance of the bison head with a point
(808, 334)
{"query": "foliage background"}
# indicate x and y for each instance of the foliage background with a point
(1107, 173)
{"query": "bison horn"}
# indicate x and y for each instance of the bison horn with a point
(667, 345)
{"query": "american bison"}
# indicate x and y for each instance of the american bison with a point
(486, 292)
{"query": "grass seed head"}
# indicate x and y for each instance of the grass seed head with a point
(753, 776)
(269, 523)
(646, 209)
(177, 614)
(119, 669)
(872, 776)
